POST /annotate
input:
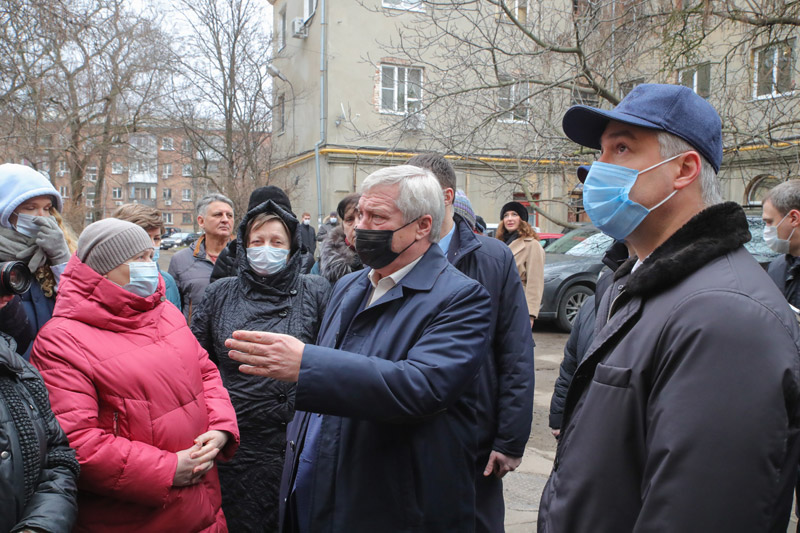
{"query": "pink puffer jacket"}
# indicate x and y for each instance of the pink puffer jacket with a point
(131, 386)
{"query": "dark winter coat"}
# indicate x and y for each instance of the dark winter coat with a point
(191, 269)
(582, 334)
(308, 237)
(14, 322)
(336, 258)
(684, 415)
(38, 469)
(785, 272)
(396, 384)
(287, 302)
(506, 380)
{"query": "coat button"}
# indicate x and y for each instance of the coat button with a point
(5, 455)
(282, 398)
(292, 445)
(282, 314)
(293, 292)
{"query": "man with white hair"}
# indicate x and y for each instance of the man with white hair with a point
(684, 415)
(393, 443)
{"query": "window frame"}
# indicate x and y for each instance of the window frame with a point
(186, 195)
(404, 5)
(406, 84)
(117, 168)
(509, 115)
(186, 173)
(167, 144)
(695, 71)
(116, 193)
(775, 48)
(166, 171)
(281, 37)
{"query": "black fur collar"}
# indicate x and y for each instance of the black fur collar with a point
(713, 232)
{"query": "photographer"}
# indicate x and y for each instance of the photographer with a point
(38, 469)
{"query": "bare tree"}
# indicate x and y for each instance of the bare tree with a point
(223, 95)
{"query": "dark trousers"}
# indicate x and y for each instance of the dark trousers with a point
(490, 508)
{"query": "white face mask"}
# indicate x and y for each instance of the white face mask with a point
(266, 260)
(771, 238)
(306, 221)
(26, 225)
(333, 220)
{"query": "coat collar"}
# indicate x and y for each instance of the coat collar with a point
(464, 241)
(712, 233)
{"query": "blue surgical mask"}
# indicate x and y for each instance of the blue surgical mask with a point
(266, 260)
(606, 201)
(26, 225)
(144, 278)
(156, 254)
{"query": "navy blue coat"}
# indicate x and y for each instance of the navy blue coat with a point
(396, 383)
(506, 381)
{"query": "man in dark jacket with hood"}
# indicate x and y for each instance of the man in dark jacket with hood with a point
(507, 376)
(684, 415)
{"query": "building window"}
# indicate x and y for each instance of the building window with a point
(759, 187)
(512, 101)
(166, 217)
(166, 143)
(309, 6)
(186, 218)
(697, 78)
(585, 97)
(281, 37)
(167, 170)
(774, 69)
(91, 173)
(186, 195)
(519, 8)
(62, 168)
(116, 193)
(279, 115)
(167, 194)
(63, 190)
(405, 5)
(187, 146)
(186, 170)
(116, 168)
(401, 89)
(626, 87)
(90, 202)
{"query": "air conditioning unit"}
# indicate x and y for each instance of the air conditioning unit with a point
(167, 202)
(299, 29)
(118, 202)
(415, 122)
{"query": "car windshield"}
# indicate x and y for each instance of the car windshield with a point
(574, 237)
(592, 246)
(757, 246)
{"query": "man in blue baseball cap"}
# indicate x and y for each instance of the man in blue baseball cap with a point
(685, 413)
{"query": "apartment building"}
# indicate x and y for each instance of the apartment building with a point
(352, 94)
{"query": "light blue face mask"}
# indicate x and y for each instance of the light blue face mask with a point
(156, 254)
(606, 201)
(266, 260)
(26, 225)
(144, 278)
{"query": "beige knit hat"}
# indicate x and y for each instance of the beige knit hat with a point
(106, 244)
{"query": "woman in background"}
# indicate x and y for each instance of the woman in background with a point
(337, 255)
(515, 231)
(32, 231)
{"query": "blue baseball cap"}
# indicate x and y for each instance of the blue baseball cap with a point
(672, 108)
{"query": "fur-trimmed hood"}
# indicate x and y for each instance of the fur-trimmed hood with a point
(710, 234)
(336, 258)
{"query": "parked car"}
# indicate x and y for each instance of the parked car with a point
(545, 239)
(570, 239)
(176, 239)
(570, 277)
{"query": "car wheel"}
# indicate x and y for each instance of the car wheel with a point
(570, 304)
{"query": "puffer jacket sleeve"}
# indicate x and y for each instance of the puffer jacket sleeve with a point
(534, 268)
(513, 349)
(221, 415)
(111, 465)
(54, 505)
(583, 327)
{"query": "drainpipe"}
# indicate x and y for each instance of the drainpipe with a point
(323, 74)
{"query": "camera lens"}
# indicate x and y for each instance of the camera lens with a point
(15, 278)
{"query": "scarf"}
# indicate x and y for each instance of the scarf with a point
(510, 237)
(15, 246)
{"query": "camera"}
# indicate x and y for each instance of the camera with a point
(15, 278)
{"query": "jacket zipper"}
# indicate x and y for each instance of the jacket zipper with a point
(116, 424)
(614, 302)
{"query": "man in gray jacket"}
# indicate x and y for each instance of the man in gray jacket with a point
(684, 416)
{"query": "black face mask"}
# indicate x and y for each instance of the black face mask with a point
(374, 246)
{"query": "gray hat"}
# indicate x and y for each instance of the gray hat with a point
(106, 244)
